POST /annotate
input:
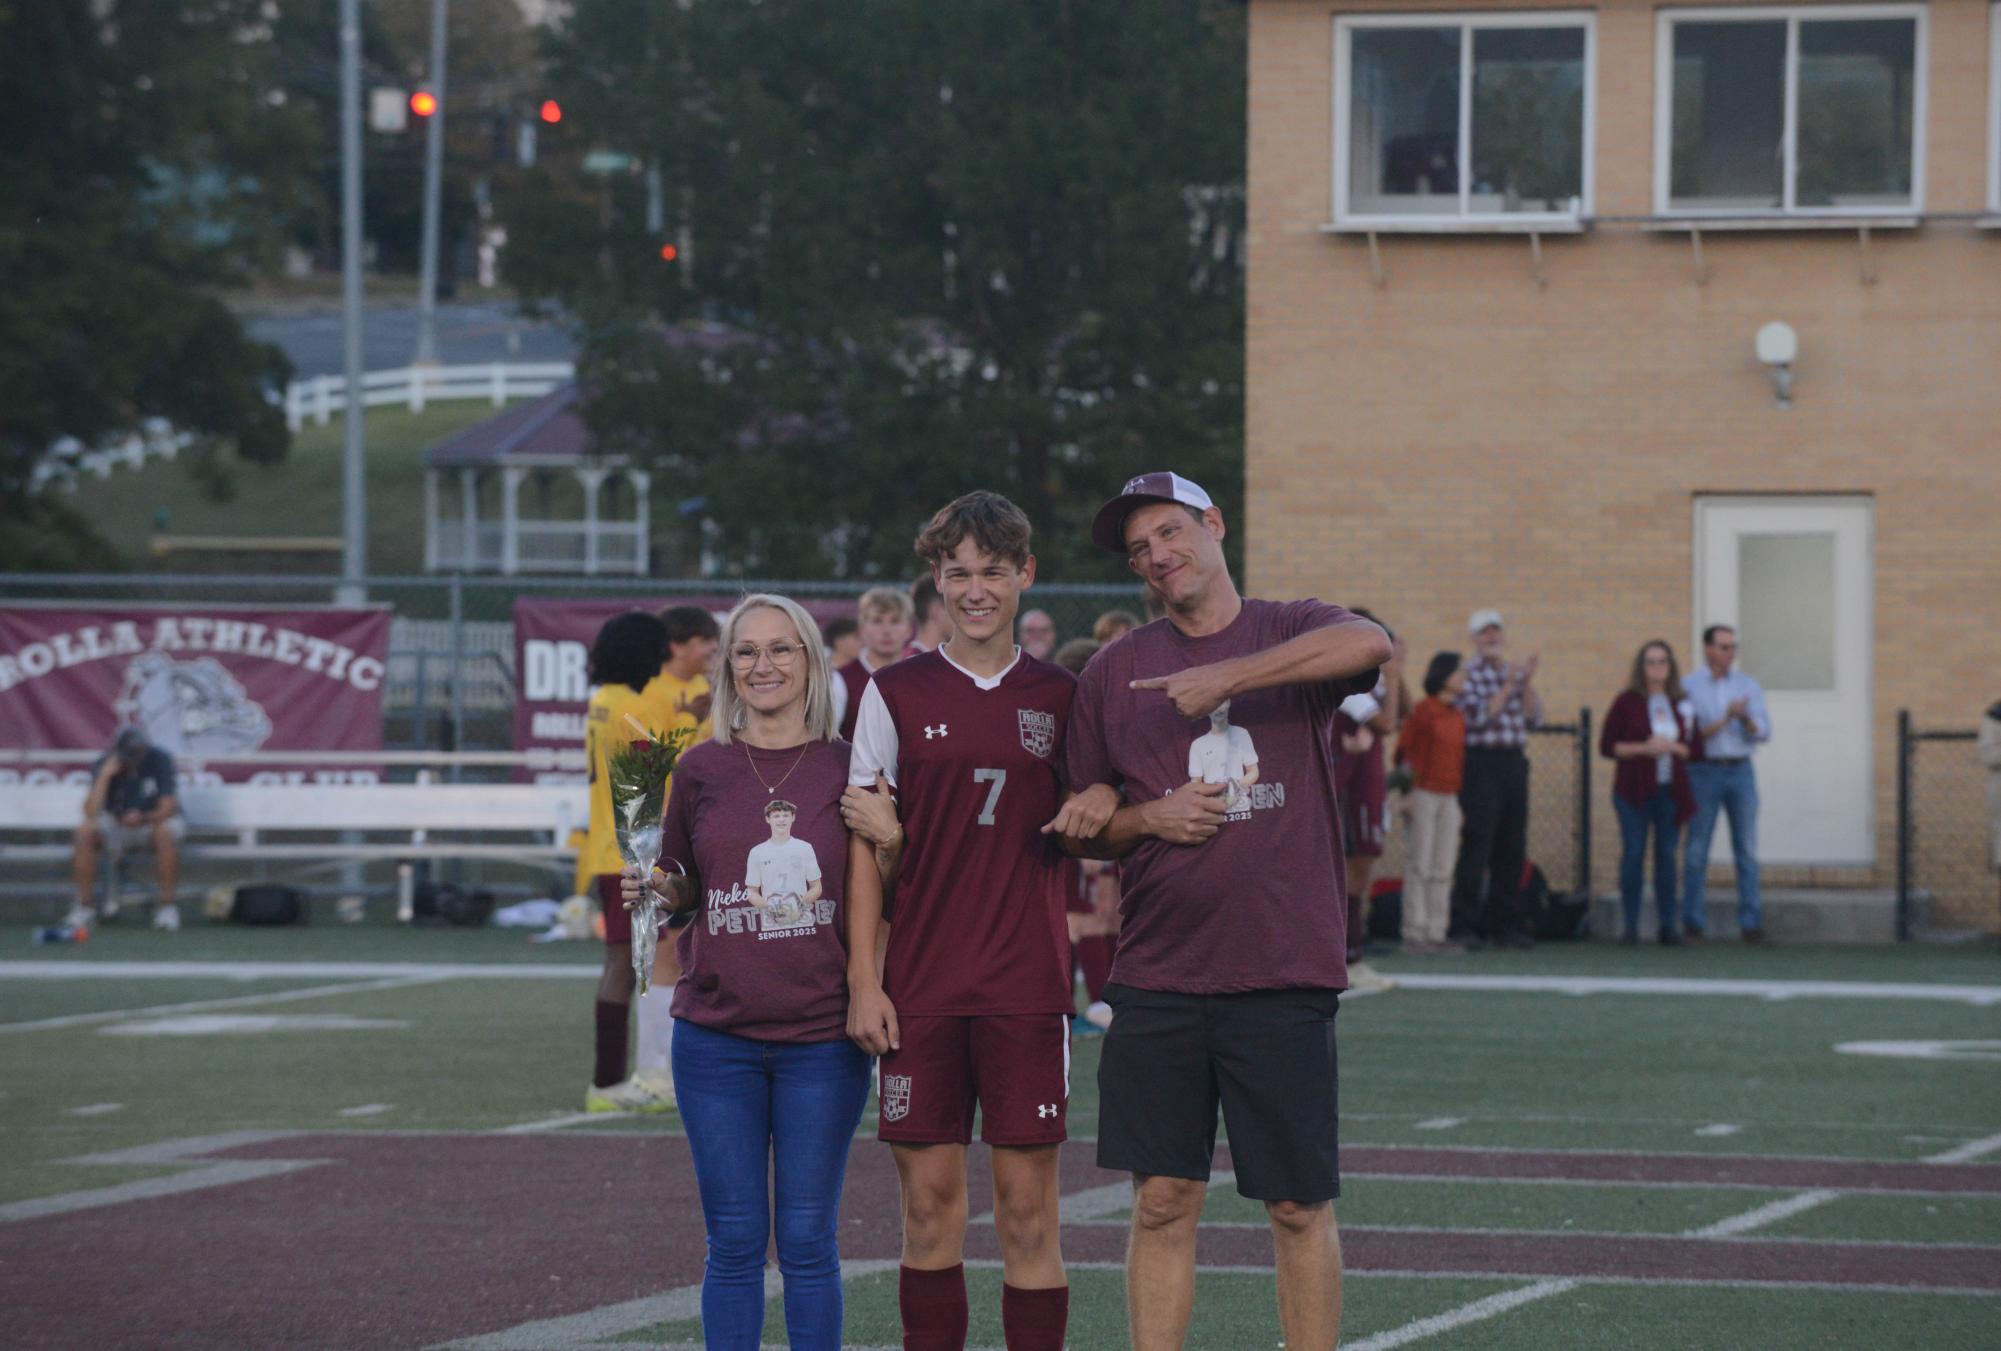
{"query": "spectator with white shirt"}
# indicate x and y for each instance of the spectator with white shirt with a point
(1733, 722)
(1651, 732)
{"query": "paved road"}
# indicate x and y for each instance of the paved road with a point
(467, 333)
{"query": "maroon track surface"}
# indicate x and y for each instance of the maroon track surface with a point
(407, 1240)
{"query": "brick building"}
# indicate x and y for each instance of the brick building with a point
(1507, 265)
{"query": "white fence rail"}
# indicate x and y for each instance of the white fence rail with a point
(413, 387)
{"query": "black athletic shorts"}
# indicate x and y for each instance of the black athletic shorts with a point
(1266, 1058)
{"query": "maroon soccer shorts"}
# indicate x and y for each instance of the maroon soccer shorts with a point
(1360, 788)
(1015, 1066)
(611, 899)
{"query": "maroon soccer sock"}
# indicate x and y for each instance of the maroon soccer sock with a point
(1034, 1320)
(613, 1039)
(933, 1304)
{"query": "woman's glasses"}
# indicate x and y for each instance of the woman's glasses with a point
(744, 655)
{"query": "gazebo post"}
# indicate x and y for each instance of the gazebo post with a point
(431, 522)
(642, 484)
(510, 518)
(592, 479)
(468, 560)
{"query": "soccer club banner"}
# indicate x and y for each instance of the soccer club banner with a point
(200, 681)
(552, 644)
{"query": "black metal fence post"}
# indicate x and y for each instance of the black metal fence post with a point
(1584, 804)
(1904, 824)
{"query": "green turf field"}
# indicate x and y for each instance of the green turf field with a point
(1485, 1131)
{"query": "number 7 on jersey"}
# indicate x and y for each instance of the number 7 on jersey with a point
(998, 778)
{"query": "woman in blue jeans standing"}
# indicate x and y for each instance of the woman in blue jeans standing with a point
(1651, 732)
(768, 1084)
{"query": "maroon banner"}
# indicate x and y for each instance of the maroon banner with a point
(201, 681)
(552, 643)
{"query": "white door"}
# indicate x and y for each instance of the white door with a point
(1793, 576)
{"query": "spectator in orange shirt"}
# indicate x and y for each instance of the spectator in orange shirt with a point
(1433, 745)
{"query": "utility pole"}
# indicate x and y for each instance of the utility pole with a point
(354, 507)
(434, 173)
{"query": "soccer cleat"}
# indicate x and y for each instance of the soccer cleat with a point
(630, 1096)
(80, 917)
(660, 1084)
(167, 918)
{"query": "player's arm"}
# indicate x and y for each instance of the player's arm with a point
(1190, 814)
(871, 814)
(1331, 652)
(100, 789)
(165, 808)
(871, 1017)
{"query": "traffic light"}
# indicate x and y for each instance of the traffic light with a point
(552, 111)
(423, 103)
(668, 253)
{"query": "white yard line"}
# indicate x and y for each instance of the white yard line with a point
(366, 1109)
(1453, 1319)
(1971, 1150)
(206, 1005)
(1769, 1213)
(186, 1151)
(557, 1123)
(128, 971)
(1718, 1130)
(1690, 987)
(1441, 1123)
(97, 1109)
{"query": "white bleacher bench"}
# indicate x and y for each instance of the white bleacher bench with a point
(397, 821)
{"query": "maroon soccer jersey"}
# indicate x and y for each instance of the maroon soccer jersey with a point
(855, 677)
(767, 953)
(978, 922)
(1262, 905)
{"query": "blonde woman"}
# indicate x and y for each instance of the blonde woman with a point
(768, 1084)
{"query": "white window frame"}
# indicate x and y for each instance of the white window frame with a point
(1994, 109)
(1468, 22)
(1792, 15)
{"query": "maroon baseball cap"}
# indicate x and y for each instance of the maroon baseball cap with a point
(1109, 530)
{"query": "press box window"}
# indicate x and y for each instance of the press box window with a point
(1472, 117)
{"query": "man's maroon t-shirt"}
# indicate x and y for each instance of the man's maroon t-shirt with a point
(1263, 904)
(767, 954)
(978, 924)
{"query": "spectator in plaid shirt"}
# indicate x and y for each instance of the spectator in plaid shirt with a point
(1501, 704)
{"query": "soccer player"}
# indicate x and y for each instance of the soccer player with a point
(1232, 941)
(630, 652)
(885, 615)
(971, 1006)
(934, 625)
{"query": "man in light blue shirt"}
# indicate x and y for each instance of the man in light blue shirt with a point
(1730, 708)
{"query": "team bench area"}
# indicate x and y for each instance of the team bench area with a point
(401, 822)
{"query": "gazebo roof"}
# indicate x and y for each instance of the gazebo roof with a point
(544, 432)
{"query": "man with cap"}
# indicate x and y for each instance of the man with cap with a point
(131, 805)
(1501, 704)
(1232, 945)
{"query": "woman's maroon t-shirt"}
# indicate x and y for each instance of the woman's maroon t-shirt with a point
(767, 953)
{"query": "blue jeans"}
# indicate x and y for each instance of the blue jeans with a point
(763, 1108)
(1731, 787)
(1657, 815)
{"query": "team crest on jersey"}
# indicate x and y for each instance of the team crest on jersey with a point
(1038, 731)
(895, 1097)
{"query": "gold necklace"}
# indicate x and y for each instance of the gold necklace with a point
(772, 788)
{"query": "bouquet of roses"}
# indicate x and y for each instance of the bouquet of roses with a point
(638, 773)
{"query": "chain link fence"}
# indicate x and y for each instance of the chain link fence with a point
(1559, 808)
(1946, 880)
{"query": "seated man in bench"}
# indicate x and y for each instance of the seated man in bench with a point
(131, 805)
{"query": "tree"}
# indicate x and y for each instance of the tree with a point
(150, 156)
(925, 245)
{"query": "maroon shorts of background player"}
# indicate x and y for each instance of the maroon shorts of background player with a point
(611, 899)
(1362, 787)
(1015, 1066)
